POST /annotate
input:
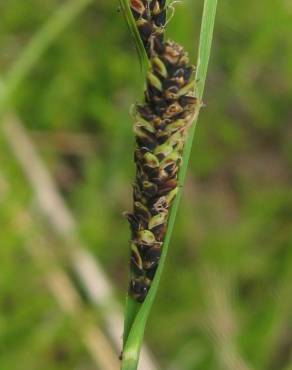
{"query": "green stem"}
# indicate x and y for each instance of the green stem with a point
(136, 314)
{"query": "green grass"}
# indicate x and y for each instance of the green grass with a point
(234, 217)
(39, 44)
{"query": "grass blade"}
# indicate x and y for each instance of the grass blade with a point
(136, 314)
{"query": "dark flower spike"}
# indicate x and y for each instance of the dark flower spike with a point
(161, 125)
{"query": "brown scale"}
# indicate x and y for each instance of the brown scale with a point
(160, 129)
(150, 16)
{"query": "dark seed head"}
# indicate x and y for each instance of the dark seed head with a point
(135, 268)
(138, 289)
(161, 127)
(160, 18)
(133, 221)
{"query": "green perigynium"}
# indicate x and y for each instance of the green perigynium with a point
(161, 125)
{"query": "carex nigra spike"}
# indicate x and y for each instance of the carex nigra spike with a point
(161, 125)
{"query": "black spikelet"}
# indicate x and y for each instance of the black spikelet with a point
(150, 16)
(161, 125)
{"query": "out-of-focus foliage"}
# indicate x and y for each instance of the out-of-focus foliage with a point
(226, 290)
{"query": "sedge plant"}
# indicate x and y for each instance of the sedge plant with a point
(164, 129)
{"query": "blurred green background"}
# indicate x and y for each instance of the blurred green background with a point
(225, 301)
